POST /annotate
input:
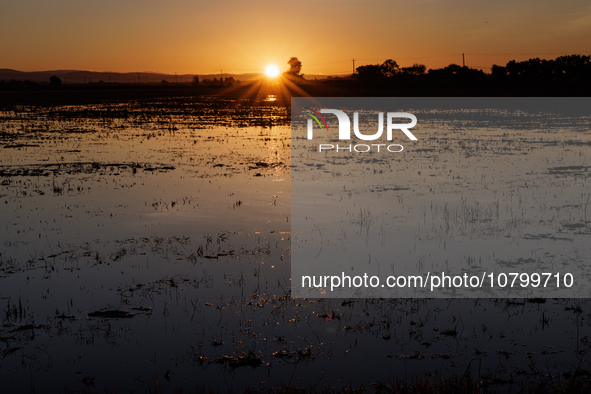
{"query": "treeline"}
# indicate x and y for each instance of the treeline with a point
(564, 76)
(390, 71)
(570, 67)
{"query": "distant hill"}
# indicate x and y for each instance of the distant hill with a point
(80, 76)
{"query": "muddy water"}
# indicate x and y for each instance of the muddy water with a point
(150, 241)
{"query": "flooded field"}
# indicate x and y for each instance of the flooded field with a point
(491, 188)
(149, 242)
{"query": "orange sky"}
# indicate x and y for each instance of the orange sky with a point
(204, 36)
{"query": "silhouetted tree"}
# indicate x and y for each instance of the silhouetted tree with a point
(537, 69)
(295, 67)
(470, 74)
(456, 73)
(377, 72)
(575, 67)
(389, 68)
(415, 69)
(453, 68)
(55, 81)
(369, 73)
(571, 67)
(574, 62)
(498, 72)
(512, 69)
(195, 81)
(447, 72)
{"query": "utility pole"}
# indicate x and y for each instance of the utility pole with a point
(353, 66)
(222, 77)
(463, 61)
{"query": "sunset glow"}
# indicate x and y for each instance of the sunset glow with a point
(188, 38)
(272, 71)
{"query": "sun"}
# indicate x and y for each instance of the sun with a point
(272, 71)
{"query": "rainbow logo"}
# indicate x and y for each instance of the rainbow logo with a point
(316, 115)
